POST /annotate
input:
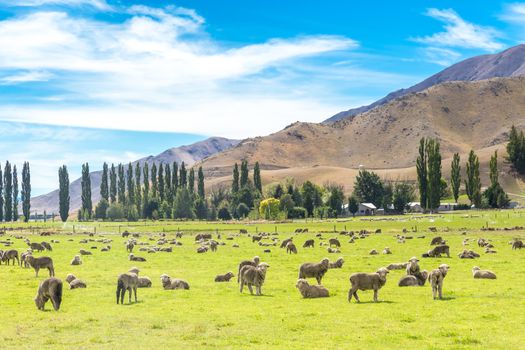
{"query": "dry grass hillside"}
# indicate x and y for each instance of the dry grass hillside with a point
(462, 115)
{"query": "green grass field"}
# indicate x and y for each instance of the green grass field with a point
(474, 314)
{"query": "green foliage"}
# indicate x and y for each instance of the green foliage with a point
(444, 191)
(516, 150)
(244, 174)
(113, 184)
(224, 214)
(235, 180)
(257, 177)
(191, 181)
(421, 168)
(455, 176)
(63, 193)
(101, 209)
(335, 200)
(138, 189)
(1, 197)
(130, 185)
(201, 209)
(183, 175)
(132, 213)
(151, 209)
(388, 195)
(297, 213)
(200, 183)
(368, 187)
(183, 206)
(115, 212)
(269, 208)
(322, 212)
(104, 185)
(26, 191)
(8, 192)
(473, 182)
(87, 205)
(145, 181)
(278, 191)
(495, 195)
(242, 211)
(121, 185)
(287, 203)
(15, 194)
(174, 180)
(165, 210)
(433, 174)
(162, 194)
(353, 205)
(167, 184)
(311, 195)
(404, 193)
(154, 181)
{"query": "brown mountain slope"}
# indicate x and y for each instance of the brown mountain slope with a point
(462, 115)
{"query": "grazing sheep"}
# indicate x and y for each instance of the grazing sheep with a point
(77, 284)
(483, 274)
(253, 276)
(76, 260)
(291, 248)
(36, 246)
(127, 282)
(410, 280)
(373, 252)
(47, 246)
(256, 238)
(308, 291)
(315, 270)
(170, 284)
(43, 262)
(23, 258)
(134, 270)
(285, 242)
(437, 251)
(144, 282)
(367, 281)
(517, 244)
(203, 236)
(85, 252)
(132, 257)
(387, 251)
(253, 262)
(436, 278)
(333, 250)
(436, 240)
(490, 251)
(224, 278)
(334, 241)
(397, 266)
(129, 247)
(11, 254)
(337, 264)
(482, 242)
(202, 249)
(50, 288)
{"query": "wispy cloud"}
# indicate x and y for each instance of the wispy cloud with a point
(99, 4)
(25, 77)
(460, 33)
(441, 56)
(514, 13)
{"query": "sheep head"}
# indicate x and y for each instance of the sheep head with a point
(444, 269)
(382, 272)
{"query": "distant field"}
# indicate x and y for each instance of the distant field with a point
(474, 314)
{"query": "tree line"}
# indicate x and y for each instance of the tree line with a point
(9, 192)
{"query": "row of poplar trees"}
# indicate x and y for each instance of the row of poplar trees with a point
(9, 192)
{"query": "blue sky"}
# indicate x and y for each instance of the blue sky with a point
(96, 80)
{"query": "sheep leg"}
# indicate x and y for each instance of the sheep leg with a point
(135, 292)
(440, 290)
(129, 291)
(318, 278)
(250, 288)
(36, 269)
(242, 285)
(118, 293)
(375, 295)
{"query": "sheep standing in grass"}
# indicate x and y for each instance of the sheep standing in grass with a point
(308, 291)
(316, 270)
(224, 278)
(168, 283)
(43, 262)
(253, 262)
(253, 276)
(517, 244)
(334, 242)
(309, 243)
(23, 258)
(50, 288)
(436, 278)
(483, 274)
(387, 251)
(367, 281)
(291, 248)
(127, 282)
(9, 255)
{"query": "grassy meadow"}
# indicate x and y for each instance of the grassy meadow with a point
(474, 313)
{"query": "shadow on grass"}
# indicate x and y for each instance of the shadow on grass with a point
(372, 302)
(445, 299)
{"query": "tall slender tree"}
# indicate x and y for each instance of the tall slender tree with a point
(183, 176)
(138, 188)
(174, 180)
(421, 167)
(191, 181)
(235, 181)
(493, 169)
(455, 176)
(200, 183)
(26, 191)
(87, 204)
(104, 187)
(8, 192)
(433, 174)
(167, 183)
(161, 182)
(1, 196)
(113, 184)
(15, 194)
(257, 177)
(121, 185)
(473, 182)
(244, 174)
(154, 181)
(131, 185)
(63, 192)
(145, 176)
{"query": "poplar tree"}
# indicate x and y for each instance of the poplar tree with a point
(433, 174)
(191, 181)
(63, 193)
(8, 192)
(145, 175)
(1, 196)
(200, 183)
(161, 182)
(154, 181)
(257, 177)
(138, 188)
(26, 192)
(104, 188)
(473, 182)
(421, 168)
(174, 180)
(182, 177)
(87, 205)
(244, 174)
(113, 184)
(455, 176)
(235, 181)
(15, 194)
(167, 183)
(121, 185)
(131, 185)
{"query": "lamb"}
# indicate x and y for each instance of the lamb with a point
(50, 288)
(144, 282)
(337, 264)
(253, 276)
(243, 263)
(224, 278)
(308, 291)
(387, 251)
(291, 248)
(316, 270)
(23, 258)
(397, 266)
(410, 280)
(367, 281)
(129, 246)
(483, 274)
(436, 278)
(414, 270)
(127, 282)
(334, 241)
(170, 284)
(132, 257)
(43, 262)
(76, 260)
(75, 283)
(213, 246)
(11, 254)
(309, 243)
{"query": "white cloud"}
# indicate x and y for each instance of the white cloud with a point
(460, 33)
(514, 13)
(443, 57)
(99, 4)
(25, 77)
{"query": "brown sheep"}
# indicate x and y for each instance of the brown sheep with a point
(47, 246)
(309, 243)
(85, 252)
(436, 278)
(483, 274)
(23, 258)
(43, 262)
(397, 266)
(410, 280)
(144, 282)
(436, 240)
(224, 278)
(36, 246)
(253, 276)
(50, 288)
(337, 264)
(127, 282)
(253, 262)
(11, 254)
(367, 281)
(291, 248)
(170, 284)
(308, 291)
(517, 244)
(285, 242)
(75, 283)
(76, 260)
(132, 257)
(437, 251)
(129, 246)
(202, 249)
(335, 242)
(387, 251)
(213, 246)
(316, 270)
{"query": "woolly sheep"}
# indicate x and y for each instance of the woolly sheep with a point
(367, 281)
(311, 291)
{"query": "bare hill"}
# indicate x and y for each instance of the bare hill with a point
(509, 63)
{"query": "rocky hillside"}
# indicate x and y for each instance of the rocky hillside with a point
(509, 63)
(189, 154)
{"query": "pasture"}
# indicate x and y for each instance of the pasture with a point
(473, 313)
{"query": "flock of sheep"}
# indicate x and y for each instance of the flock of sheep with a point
(252, 273)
